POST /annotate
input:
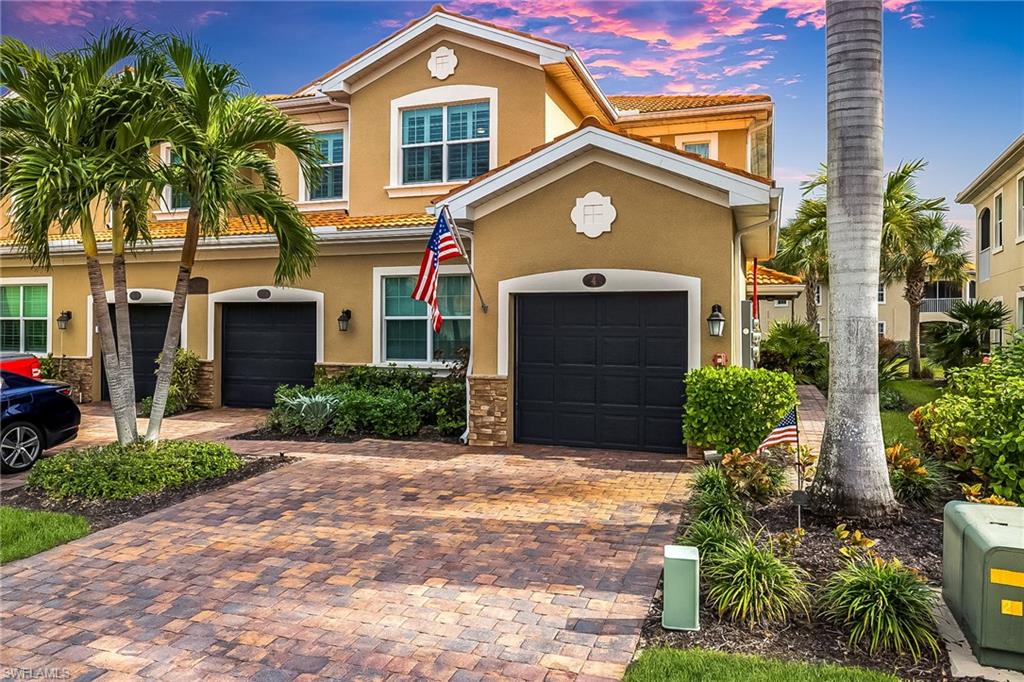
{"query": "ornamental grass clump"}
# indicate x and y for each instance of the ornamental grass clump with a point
(710, 478)
(710, 538)
(719, 506)
(750, 583)
(883, 605)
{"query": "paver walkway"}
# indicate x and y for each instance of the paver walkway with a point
(811, 415)
(370, 560)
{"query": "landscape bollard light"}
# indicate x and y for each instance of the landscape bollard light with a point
(681, 588)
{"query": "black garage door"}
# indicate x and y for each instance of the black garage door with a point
(264, 345)
(601, 370)
(149, 326)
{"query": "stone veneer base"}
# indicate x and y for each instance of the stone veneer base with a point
(488, 410)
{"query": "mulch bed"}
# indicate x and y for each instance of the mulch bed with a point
(427, 434)
(916, 538)
(105, 513)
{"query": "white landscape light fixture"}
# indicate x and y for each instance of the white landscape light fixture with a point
(63, 319)
(716, 321)
(343, 319)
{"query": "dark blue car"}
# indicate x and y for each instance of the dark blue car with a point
(34, 416)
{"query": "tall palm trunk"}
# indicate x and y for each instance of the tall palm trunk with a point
(121, 309)
(124, 418)
(852, 479)
(173, 335)
(914, 295)
(811, 310)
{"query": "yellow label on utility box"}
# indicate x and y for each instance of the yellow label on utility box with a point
(1012, 608)
(1002, 576)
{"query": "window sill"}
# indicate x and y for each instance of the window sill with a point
(424, 190)
(177, 214)
(441, 368)
(1019, 240)
(322, 205)
(998, 249)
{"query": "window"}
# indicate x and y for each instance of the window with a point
(408, 334)
(447, 143)
(700, 148)
(1020, 207)
(781, 303)
(817, 325)
(24, 313)
(881, 328)
(179, 198)
(999, 221)
(702, 144)
(817, 294)
(881, 293)
(332, 169)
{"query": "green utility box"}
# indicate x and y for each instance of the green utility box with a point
(681, 588)
(983, 579)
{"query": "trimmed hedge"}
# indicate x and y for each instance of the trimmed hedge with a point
(121, 472)
(735, 407)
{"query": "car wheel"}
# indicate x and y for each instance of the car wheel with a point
(20, 447)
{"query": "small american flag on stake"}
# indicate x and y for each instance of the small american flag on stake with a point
(785, 432)
(441, 246)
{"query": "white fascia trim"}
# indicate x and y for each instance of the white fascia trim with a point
(148, 296)
(571, 281)
(742, 191)
(378, 308)
(440, 95)
(277, 295)
(592, 85)
(48, 281)
(548, 54)
(746, 108)
(994, 169)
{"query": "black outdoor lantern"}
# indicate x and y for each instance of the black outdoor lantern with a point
(716, 321)
(63, 319)
(343, 319)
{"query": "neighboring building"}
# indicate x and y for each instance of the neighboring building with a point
(998, 198)
(602, 230)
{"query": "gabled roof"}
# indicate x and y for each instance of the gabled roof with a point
(647, 104)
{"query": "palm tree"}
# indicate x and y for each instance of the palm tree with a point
(72, 132)
(962, 342)
(852, 479)
(221, 140)
(931, 250)
(803, 249)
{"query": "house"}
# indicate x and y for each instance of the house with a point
(602, 231)
(998, 198)
(893, 309)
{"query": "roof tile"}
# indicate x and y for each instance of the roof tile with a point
(769, 277)
(649, 104)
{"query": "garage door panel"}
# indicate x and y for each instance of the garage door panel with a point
(263, 346)
(149, 327)
(616, 376)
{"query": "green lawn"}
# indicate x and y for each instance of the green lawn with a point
(24, 533)
(917, 391)
(683, 665)
(897, 428)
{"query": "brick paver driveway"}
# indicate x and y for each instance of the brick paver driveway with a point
(371, 560)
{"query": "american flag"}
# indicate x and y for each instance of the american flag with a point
(785, 432)
(441, 247)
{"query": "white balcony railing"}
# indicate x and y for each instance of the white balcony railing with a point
(938, 305)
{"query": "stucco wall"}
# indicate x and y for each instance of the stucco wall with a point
(1006, 280)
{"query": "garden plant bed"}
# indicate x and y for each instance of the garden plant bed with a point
(916, 539)
(105, 513)
(426, 434)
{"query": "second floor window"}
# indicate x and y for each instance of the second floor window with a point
(446, 144)
(332, 168)
(179, 197)
(999, 221)
(699, 148)
(881, 293)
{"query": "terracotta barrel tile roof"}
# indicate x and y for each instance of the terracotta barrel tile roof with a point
(768, 277)
(647, 104)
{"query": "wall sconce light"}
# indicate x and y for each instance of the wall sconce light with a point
(343, 319)
(63, 319)
(716, 321)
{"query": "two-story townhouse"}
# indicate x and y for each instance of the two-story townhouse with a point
(998, 198)
(602, 230)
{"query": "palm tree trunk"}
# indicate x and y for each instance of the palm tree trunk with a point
(811, 312)
(914, 294)
(121, 309)
(124, 421)
(852, 480)
(173, 335)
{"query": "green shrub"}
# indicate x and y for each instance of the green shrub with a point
(120, 472)
(889, 399)
(916, 480)
(710, 478)
(718, 506)
(735, 407)
(313, 412)
(748, 582)
(884, 605)
(754, 477)
(52, 368)
(795, 348)
(392, 413)
(184, 389)
(445, 407)
(416, 381)
(286, 415)
(710, 538)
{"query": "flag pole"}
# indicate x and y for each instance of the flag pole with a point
(465, 254)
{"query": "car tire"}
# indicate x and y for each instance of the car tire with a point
(21, 444)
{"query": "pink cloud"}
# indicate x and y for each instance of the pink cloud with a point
(754, 53)
(203, 18)
(53, 13)
(746, 67)
(774, 36)
(916, 19)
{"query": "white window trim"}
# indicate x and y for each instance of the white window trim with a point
(571, 281)
(277, 295)
(817, 294)
(818, 327)
(1020, 313)
(1020, 209)
(166, 212)
(305, 203)
(885, 294)
(30, 281)
(881, 327)
(442, 95)
(781, 303)
(379, 274)
(148, 296)
(698, 138)
(998, 211)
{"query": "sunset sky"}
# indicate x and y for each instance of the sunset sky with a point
(954, 70)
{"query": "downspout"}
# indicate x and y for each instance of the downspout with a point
(464, 438)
